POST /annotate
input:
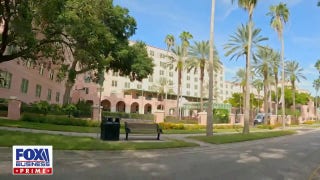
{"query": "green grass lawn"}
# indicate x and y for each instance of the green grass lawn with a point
(9, 138)
(239, 137)
(44, 126)
(82, 129)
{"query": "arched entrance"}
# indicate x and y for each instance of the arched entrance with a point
(106, 105)
(121, 106)
(147, 109)
(134, 107)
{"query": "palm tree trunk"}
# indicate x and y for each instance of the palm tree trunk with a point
(248, 72)
(282, 85)
(178, 95)
(209, 130)
(265, 96)
(276, 93)
(316, 113)
(294, 99)
(201, 87)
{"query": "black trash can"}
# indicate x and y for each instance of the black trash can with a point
(110, 130)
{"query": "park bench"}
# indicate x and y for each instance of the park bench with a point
(142, 128)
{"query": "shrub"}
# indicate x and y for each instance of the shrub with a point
(58, 120)
(128, 115)
(184, 120)
(220, 116)
(268, 126)
(309, 122)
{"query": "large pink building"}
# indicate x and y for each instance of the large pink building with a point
(30, 82)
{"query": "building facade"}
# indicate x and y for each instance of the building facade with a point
(30, 82)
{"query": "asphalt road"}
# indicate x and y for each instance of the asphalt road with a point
(290, 157)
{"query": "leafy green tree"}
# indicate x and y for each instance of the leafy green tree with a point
(279, 16)
(294, 73)
(199, 58)
(99, 32)
(32, 29)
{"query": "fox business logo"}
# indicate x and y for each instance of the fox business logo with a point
(32, 160)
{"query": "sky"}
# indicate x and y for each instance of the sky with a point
(156, 19)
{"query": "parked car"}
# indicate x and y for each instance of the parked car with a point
(259, 119)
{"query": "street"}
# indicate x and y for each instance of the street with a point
(288, 157)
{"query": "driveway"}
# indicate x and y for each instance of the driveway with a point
(289, 157)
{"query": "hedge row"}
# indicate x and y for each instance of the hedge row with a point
(128, 115)
(58, 120)
(166, 126)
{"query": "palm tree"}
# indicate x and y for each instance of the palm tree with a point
(178, 58)
(161, 87)
(279, 16)
(258, 84)
(199, 58)
(209, 130)
(169, 40)
(242, 43)
(262, 66)
(316, 85)
(294, 73)
(275, 62)
(185, 37)
(317, 65)
(241, 79)
(247, 5)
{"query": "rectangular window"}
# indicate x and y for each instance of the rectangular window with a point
(115, 74)
(188, 93)
(163, 64)
(114, 83)
(87, 79)
(161, 72)
(29, 63)
(38, 90)
(162, 55)
(5, 79)
(24, 86)
(195, 79)
(171, 74)
(127, 85)
(170, 82)
(57, 96)
(151, 53)
(195, 94)
(188, 85)
(150, 79)
(49, 94)
(195, 86)
(188, 77)
(41, 69)
(51, 75)
(150, 88)
(139, 86)
(86, 90)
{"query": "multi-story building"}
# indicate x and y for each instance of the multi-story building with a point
(120, 94)
(30, 82)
